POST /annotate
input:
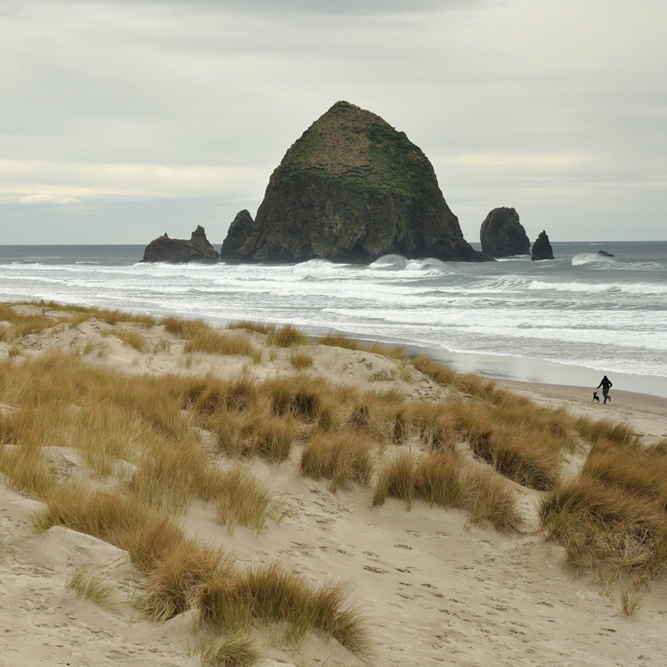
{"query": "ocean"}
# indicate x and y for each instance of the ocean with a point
(566, 321)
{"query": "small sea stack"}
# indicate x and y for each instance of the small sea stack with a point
(502, 235)
(181, 251)
(542, 248)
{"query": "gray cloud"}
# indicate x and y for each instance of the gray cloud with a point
(556, 110)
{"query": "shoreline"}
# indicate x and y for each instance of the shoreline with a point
(545, 372)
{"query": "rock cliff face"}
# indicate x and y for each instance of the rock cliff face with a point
(179, 251)
(502, 235)
(351, 189)
(542, 248)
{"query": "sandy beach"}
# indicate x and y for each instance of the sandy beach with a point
(432, 588)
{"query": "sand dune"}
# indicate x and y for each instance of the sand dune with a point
(434, 590)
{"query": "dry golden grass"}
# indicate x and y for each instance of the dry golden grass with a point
(171, 478)
(132, 338)
(242, 500)
(436, 427)
(443, 478)
(21, 325)
(172, 585)
(642, 473)
(605, 429)
(286, 336)
(614, 515)
(250, 325)
(342, 457)
(301, 359)
(397, 479)
(397, 352)
(108, 316)
(300, 397)
(339, 340)
(604, 527)
(631, 602)
(202, 337)
(272, 437)
(269, 593)
(91, 587)
(440, 374)
(121, 520)
(470, 384)
(211, 341)
(491, 500)
(26, 471)
(439, 480)
(524, 450)
(237, 650)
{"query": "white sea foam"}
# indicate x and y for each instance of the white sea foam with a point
(589, 257)
(581, 309)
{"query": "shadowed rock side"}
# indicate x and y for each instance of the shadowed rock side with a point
(542, 248)
(351, 189)
(502, 235)
(180, 251)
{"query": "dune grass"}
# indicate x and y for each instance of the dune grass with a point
(470, 384)
(301, 360)
(26, 471)
(251, 325)
(605, 527)
(270, 593)
(90, 586)
(342, 457)
(21, 325)
(172, 584)
(242, 500)
(631, 602)
(397, 352)
(286, 336)
(442, 478)
(202, 337)
(613, 516)
(237, 650)
(339, 340)
(215, 342)
(396, 479)
(605, 429)
(521, 446)
(132, 338)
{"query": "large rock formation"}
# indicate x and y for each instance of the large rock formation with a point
(351, 189)
(180, 251)
(502, 235)
(542, 248)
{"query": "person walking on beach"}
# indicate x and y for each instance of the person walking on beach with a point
(606, 386)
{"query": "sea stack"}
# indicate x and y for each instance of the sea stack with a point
(542, 248)
(502, 235)
(180, 251)
(351, 189)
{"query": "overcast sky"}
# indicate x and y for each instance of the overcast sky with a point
(120, 121)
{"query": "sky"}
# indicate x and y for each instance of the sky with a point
(123, 120)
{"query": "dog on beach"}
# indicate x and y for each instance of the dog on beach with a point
(596, 398)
